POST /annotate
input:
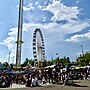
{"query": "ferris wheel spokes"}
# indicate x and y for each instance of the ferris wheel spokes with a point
(38, 47)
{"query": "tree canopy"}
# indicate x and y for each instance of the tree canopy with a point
(84, 59)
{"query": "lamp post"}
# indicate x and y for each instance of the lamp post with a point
(13, 59)
(57, 58)
(9, 57)
(83, 56)
(56, 55)
(82, 49)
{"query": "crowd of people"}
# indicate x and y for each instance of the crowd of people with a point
(56, 75)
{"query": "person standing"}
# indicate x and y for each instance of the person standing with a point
(50, 77)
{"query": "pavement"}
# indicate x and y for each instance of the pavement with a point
(18, 86)
(78, 85)
(14, 86)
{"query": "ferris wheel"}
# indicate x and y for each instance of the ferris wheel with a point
(38, 46)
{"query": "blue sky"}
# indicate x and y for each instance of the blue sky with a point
(65, 25)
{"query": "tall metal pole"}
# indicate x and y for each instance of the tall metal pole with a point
(9, 57)
(19, 36)
(82, 50)
(13, 59)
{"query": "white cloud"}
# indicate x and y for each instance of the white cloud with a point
(59, 29)
(75, 38)
(36, 3)
(44, 18)
(77, 2)
(13, 31)
(62, 12)
(28, 7)
(40, 7)
(79, 38)
(63, 29)
(75, 26)
(26, 27)
(9, 42)
(45, 2)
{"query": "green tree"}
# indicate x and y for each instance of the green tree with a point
(31, 62)
(83, 59)
(25, 63)
(6, 64)
(64, 60)
(49, 63)
(28, 62)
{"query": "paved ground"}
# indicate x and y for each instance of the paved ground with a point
(78, 85)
